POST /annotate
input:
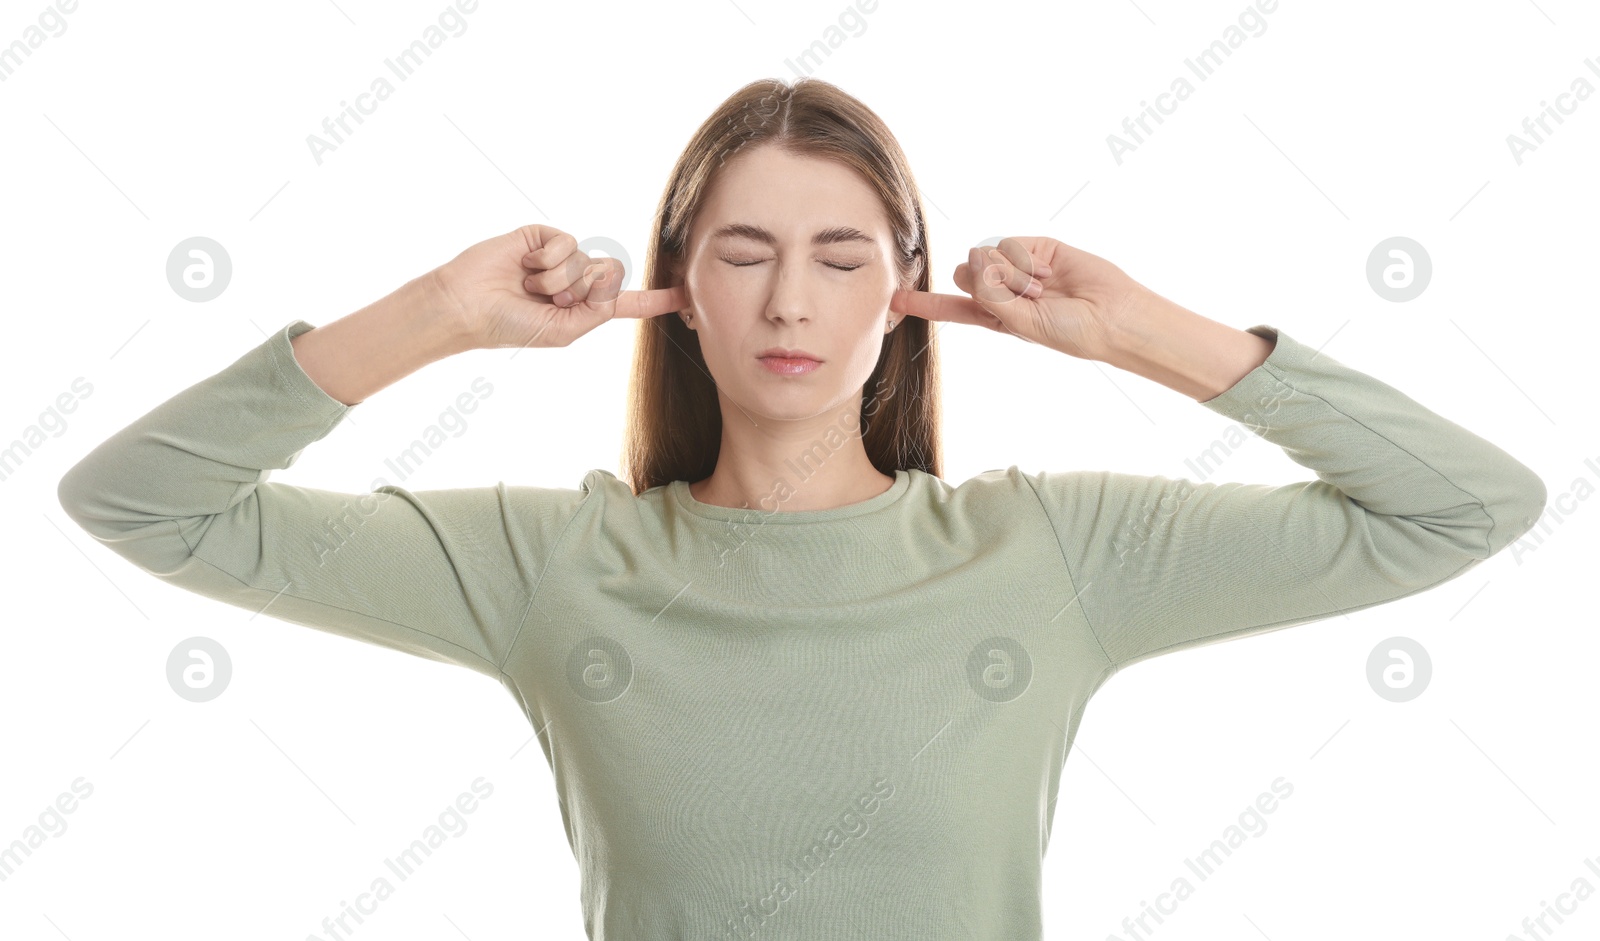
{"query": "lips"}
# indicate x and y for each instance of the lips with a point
(783, 353)
(792, 363)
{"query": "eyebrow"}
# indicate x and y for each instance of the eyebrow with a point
(830, 236)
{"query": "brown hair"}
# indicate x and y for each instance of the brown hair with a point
(674, 423)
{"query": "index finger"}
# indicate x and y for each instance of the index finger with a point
(933, 306)
(652, 303)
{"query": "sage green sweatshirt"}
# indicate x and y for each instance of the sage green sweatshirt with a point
(820, 724)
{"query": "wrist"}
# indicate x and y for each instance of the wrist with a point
(1125, 331)
(436, 303)
(1167, 343)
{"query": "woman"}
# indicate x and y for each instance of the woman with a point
(789, 681)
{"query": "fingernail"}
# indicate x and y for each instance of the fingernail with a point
(562, 299)
(1034, 289)
(995, 255)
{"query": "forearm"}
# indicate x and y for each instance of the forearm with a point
(394, 336)
(1170, 344)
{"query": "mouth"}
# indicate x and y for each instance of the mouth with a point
(788, 362)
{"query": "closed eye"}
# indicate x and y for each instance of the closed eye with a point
(746, 264)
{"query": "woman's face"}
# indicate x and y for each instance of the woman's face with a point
(766, 264)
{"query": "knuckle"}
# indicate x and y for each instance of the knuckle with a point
(545, 282)
(549, 242)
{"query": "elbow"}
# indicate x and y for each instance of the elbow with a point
(86, 500)
(1490, 520)
(155, 543)
(86, 505)
(1518, 512)
(71, 494)
(131, 512)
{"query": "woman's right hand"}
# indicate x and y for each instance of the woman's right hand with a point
(532, 287)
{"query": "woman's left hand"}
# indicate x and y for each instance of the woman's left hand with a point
(1039, 289)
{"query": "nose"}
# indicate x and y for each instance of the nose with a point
(790, 298)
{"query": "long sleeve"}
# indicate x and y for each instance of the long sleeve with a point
(1404, 500)
(183, 493)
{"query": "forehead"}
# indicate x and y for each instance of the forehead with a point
(791, 195)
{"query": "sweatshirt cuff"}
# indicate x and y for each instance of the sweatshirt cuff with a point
(1260, 392)
(290, 376)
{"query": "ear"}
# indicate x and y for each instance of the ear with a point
(675, 278)
(919, 259)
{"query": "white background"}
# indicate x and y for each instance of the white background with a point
(256, 815)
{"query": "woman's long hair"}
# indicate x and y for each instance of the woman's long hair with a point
(674, 422)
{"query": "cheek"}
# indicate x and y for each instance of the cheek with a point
(853, 295)
(874, 291)
(867, 296)
(719, 292)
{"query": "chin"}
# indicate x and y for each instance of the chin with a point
(789, 404)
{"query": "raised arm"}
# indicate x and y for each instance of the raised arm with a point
(449, 575)
(1404, 499)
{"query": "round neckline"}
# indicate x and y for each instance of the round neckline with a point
(686, 501)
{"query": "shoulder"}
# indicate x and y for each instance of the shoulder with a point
(602, 495)
(998, 490)
(551, 508)
(1010, 494)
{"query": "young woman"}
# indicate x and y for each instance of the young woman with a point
(789, 681)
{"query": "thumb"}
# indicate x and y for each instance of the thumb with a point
(989, 285)
(598, 287)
